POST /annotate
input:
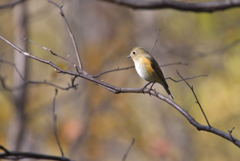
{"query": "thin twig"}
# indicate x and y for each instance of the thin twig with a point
(30, 82)
(112, 70)
(13, 65)
(188, 78)
(131, 67)
(2, 80)
(230, 133)
(51, 51)
(128, 150)
(3, 83)
(156, 40)
(55, 129)
(197, 101)
(174, 63)
(60, 7)
(73, 85)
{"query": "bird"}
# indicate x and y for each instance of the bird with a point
(148, 68)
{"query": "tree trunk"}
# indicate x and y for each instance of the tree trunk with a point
(20, 16)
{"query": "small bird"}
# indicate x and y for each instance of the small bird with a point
(148, 68)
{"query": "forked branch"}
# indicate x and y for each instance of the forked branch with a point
(196, 98)
(60, 7)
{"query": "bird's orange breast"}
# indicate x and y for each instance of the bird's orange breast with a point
(147, 64)
(144, 69)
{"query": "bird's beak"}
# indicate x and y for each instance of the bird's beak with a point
(128, 56)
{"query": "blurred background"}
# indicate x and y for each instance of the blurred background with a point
(96, 125)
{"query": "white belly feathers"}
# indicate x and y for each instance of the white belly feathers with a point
(142, 71)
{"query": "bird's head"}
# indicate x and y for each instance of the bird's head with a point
(137, 53)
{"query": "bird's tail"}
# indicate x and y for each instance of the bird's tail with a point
(165, 86)
(168, 91)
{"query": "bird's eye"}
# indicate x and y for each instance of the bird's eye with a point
(134, 52)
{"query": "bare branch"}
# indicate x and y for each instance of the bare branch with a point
(112, 70)
(30, 82)
(55, 129)
(128, 150)
(13, 155)
(13, 65)
(60, 7)
(118, 90)
(72, 85)
(51, 52)
(3, 83)
(20, 51)
(208, 6)
(131, 67)
(195, 96)
(174, 63)
(156, 40)
(11, 4)
(188, 78)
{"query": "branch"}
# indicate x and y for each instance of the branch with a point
(51, 52)
(13, 155)
(55, 129)
(30, 82)
(71, 85)
(112, 70)
(13, 65)
(3, 83)
(60, 7)
(187, 78)
(209, 6)
(20, 51)
(196, 98)
(68, 87)
(11, 4)
(118, 90)
(128, 150)
(174, 63)
(230, 133)
(131, 67)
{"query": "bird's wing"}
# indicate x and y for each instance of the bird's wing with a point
(160, 75)
(158, 71)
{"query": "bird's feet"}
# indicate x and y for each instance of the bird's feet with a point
(144, 87)
(148, 91)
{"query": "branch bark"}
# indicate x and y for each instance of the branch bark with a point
(211, 6)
